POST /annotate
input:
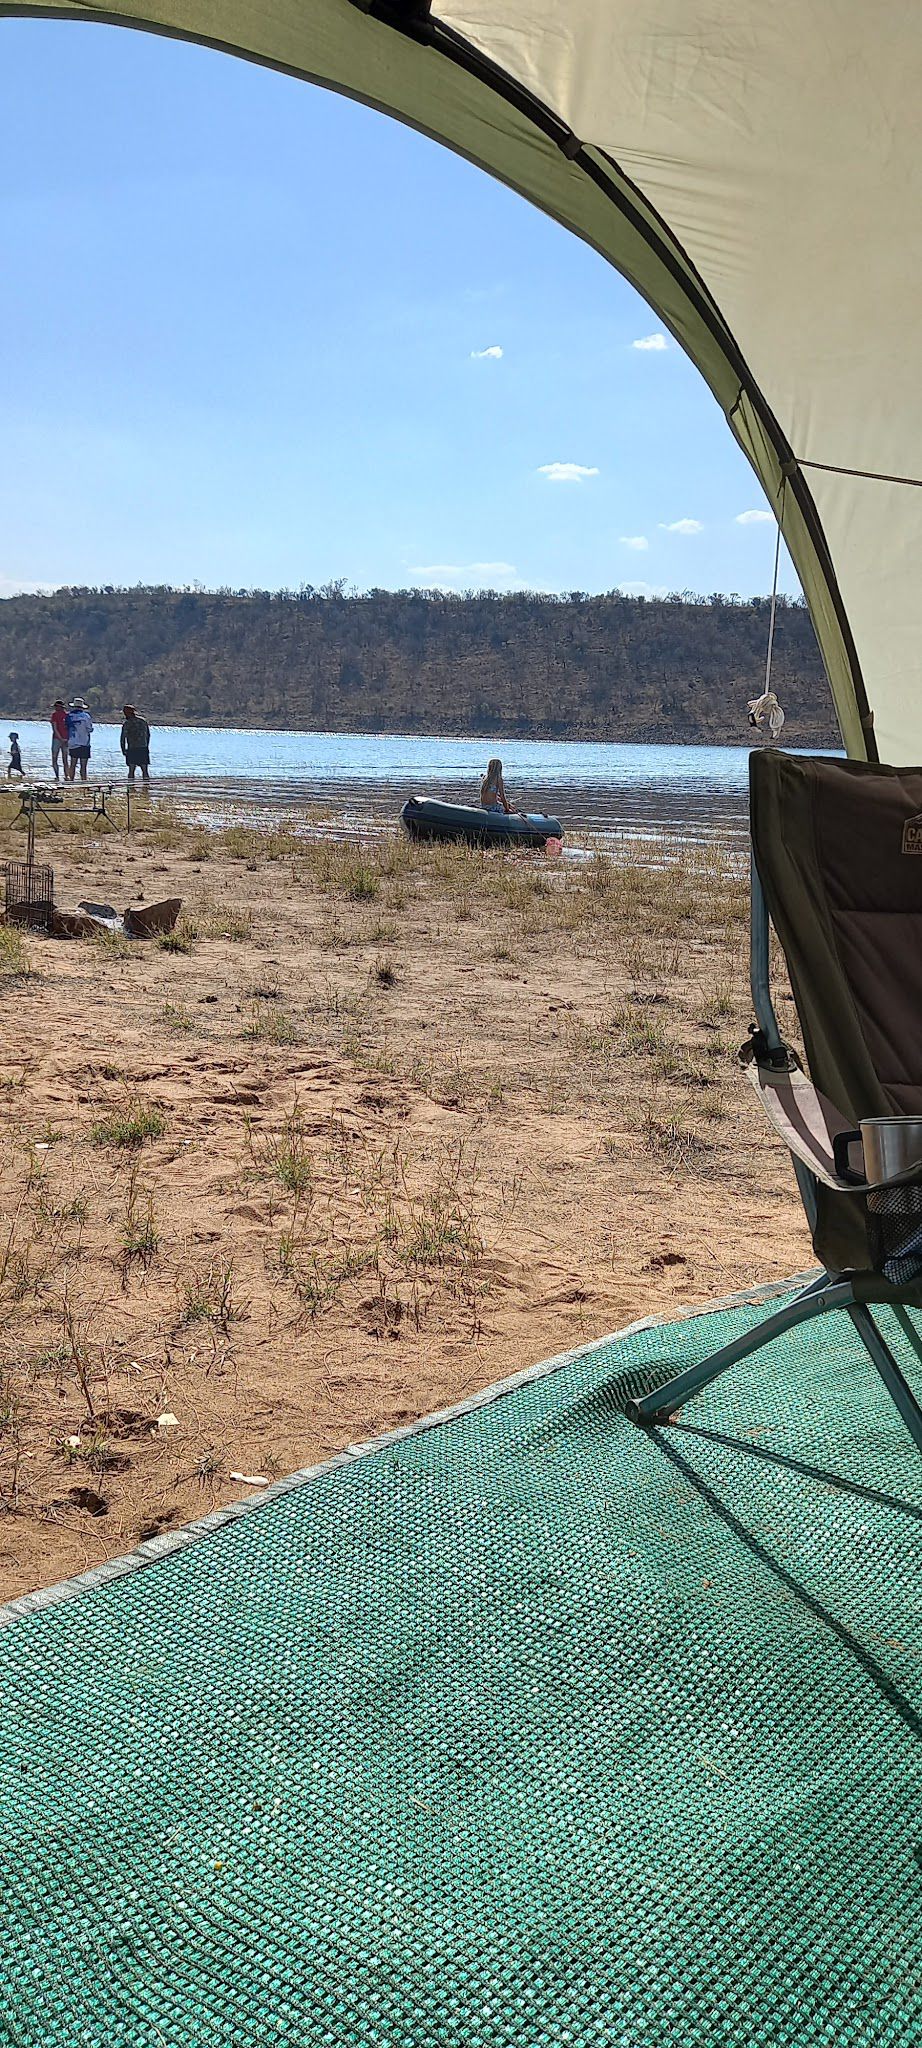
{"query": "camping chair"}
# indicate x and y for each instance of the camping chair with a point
(837, 869)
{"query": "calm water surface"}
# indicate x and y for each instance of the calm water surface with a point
(357, 781)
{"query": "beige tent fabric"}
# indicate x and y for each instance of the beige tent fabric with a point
(781, 144)
(761, 182)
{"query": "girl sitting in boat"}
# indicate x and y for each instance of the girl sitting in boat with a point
(493, 789)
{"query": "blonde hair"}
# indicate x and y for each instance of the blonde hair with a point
(494, 774)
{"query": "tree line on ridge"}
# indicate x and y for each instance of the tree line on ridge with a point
(518, 664)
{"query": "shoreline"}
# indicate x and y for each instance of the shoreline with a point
(537, 736)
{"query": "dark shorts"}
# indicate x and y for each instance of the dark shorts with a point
(138, 757)
(79, 753)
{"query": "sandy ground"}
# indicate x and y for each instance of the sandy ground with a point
(391, 1124)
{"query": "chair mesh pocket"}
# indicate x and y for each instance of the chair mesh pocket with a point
(895, 1232)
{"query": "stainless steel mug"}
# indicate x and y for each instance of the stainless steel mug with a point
(891, 1145)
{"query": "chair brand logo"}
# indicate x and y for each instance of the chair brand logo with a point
(912, 835)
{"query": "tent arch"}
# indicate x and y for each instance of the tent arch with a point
(447, 77)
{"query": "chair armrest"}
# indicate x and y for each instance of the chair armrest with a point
(806, 1120)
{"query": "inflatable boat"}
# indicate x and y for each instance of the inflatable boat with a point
(426, 818)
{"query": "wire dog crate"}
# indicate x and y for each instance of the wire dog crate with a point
(29, 893)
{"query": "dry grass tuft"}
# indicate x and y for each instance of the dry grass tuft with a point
(14, 959)
(135, 1125)
(271, 1026)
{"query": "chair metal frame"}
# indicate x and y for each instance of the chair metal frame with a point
(852, 1292)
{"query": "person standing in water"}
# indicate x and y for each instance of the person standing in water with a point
(79, 732)
(135, 743)
(493, 789)
(59, 738)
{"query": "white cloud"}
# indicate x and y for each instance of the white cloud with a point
(17, 586)
(487, 355)
(651, 341)
(565, 472)
(638, 541)
(454, 572)
(753, 518)
(639, 589)
(682, 526)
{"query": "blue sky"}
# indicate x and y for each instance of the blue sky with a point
(251, 335)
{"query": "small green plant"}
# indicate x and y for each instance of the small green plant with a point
(95, 1451)
(273, 1026)
(116, 944)
(249, 842)
(14, 960)
(421, 1072)
(719, 1005)
(236, 925)
(362, 883)
(54, 1360)
(208, 1295)
(179, 940)
(134, 1125)
(288, 1246)
(76, 1341)
(10, 1406)
(285, 1155)
(672, 1141)
(140, 1237)
(318, 1284)
(176, 1017)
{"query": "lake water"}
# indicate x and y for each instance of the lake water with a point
(358, 781)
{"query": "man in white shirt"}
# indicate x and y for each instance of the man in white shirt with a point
(79, 730)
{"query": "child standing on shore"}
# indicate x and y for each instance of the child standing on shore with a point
(15, 762)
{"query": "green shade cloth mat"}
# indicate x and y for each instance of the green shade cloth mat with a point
(528, 1728)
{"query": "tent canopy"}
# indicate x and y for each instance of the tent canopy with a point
(754, 172)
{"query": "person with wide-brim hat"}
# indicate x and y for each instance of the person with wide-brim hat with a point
(79, 733)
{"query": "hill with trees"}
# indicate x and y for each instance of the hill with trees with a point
(525, 664)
